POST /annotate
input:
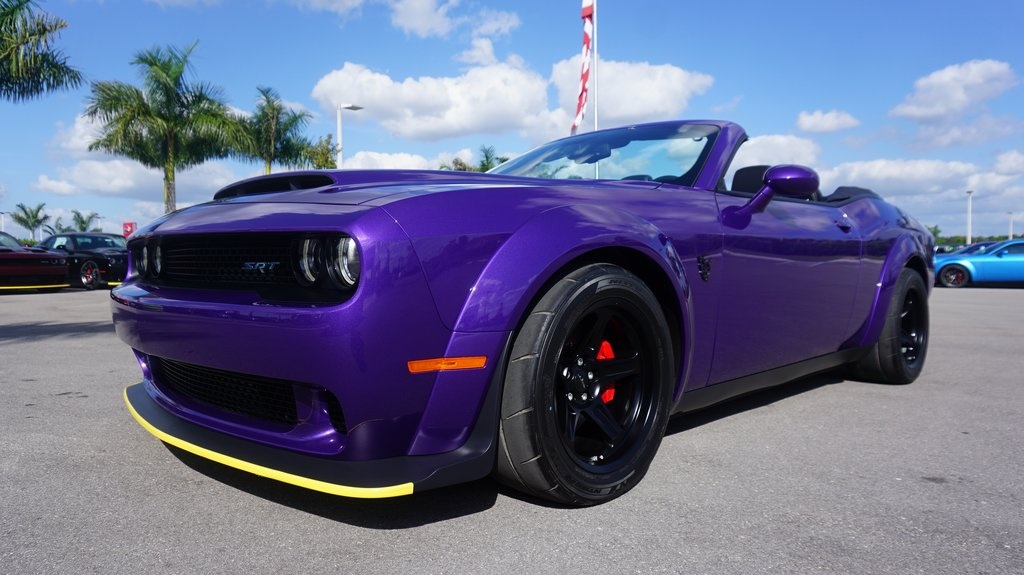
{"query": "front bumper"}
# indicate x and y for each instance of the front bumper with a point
(379, 478)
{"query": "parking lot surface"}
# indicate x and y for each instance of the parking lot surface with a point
(819, 476)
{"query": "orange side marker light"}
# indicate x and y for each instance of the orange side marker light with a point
(447, 363)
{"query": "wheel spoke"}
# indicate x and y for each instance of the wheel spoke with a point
(618, 368)
(572, 423)
(596, 333)
(599, 413)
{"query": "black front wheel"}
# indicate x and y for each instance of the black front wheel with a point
(587, 390)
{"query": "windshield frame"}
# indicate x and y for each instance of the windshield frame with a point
(594, 148)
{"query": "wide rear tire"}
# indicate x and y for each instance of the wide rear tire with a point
(587, 389)
(898, 356)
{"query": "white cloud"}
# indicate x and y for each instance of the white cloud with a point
(482, 53)
(128, 179)
(1010, 163)
(831, 121)
(507, 96)
(901, 177)
(630, 92)
(177, 3)
(485, 99)
(74, 140)
(777, 149)
(60, 187)
(423, 18)
(493, 23)
(977, 131)
(728, 106)
(340, 7)
(954, 89)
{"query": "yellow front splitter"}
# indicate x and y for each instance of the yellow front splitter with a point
(261, 470)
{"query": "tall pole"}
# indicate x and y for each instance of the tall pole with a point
(354, 108)
(1010, 237)
(595, 65)
(969, 194)
(337, 163)
(4, 214)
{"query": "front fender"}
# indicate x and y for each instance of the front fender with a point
(537, 250)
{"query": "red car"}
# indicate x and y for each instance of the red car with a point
(23, 267)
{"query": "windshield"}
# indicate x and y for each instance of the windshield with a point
(8, 241)
(671, 153)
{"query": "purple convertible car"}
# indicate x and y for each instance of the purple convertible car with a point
(377, 333)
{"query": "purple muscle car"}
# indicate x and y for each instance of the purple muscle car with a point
(376, 333)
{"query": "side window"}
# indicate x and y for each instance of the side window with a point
(58, 242)
(1015, 249)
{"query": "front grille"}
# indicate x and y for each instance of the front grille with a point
(264, 398)
(253, 396)
(249, 259)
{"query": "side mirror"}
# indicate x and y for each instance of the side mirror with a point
(786, 180)
(792, 181)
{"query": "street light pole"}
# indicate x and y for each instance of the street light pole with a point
(354, 108)
(4, 214)
(1010, 237)
(969, 194)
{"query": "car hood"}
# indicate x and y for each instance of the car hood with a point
(368, 187)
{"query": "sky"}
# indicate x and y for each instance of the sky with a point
(919, 102)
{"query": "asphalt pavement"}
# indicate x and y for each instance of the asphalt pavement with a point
(819, 476)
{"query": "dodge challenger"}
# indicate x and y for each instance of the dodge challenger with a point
(379, 333)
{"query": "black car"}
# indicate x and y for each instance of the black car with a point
(94, 259)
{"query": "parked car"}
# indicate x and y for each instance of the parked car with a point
(23, 267)
(970, 249)
(377, 333)
(1000, 263)
(94, 259)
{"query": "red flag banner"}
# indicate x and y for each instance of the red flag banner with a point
(588, 36)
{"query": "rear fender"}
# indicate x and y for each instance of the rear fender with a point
(904, 251)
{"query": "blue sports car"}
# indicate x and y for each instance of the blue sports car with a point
(999, 263)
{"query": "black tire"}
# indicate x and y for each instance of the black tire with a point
(954, 276)
(898, 356)
(89, 275)
(563, 435)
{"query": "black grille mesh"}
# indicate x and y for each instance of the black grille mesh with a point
(260, 259)
(249, 395)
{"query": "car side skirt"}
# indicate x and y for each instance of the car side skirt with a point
(719, 392)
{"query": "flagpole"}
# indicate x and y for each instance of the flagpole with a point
(595, 65)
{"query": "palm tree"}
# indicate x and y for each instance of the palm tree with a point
(82, 223)
(29, 65)
(275, 133)
(30, 218)
(169, 123)
(322, 155)
(57, 227)
(488, 161)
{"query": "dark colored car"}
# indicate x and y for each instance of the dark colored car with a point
(999, 263)
(376, 333)
(23, 267)
(94, 259)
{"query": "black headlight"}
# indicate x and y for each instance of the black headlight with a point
(310, 261)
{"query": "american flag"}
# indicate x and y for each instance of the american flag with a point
(588, 35)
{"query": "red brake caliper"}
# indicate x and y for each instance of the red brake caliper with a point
(606, 352)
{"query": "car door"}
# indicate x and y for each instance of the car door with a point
(787, 285)
(1003, 265)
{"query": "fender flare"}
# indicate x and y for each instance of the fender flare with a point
(901, 255)
(537, 253)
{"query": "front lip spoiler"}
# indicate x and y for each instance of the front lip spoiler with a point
(373, 479)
